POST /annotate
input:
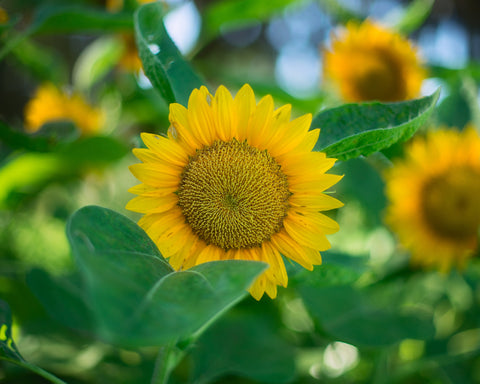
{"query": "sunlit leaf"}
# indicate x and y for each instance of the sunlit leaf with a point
(136, 297)
(96, 61)
(8, 350)
(163, 64)
(414, 15)
(27, 172)
(354, 130)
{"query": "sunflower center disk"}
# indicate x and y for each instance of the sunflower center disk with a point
(380, 78)
(233, 195)
(451, 204)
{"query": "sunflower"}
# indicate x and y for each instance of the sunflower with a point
(50, 104)
(235, 180)
(434, 198)
(369, 62)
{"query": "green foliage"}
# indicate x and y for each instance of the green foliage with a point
(168, 71)
(8, 350)
(68, 19)
(118, 312)
(353, 130)
(96, 61)
(131, 292)
(229, 345)
(55, 152)
(414, 16)
(350, 315)
(233, 14)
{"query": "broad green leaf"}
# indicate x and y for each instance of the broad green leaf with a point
(136, 297)
(354, 130)
(164, 65)
(96, 61)
(63, 298)
(102, 229)
(349, 315)
(246, 344)
(235, 13)
(414, 15)
(8, 350)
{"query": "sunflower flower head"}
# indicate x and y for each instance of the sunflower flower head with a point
(369, 62)
(434, 198)
(235, 180)
(50, 104)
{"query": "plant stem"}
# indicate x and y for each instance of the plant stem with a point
(39, 371)
(164, 364)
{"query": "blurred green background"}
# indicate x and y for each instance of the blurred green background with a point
(363, 317)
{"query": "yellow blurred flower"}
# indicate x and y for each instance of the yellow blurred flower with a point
(49, 104)
(129, 61)
(235, 180)
(3, 16)
(369, 62)
(435, 198)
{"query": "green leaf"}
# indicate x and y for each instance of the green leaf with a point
(350, 315)
(247, 345)
(27, 172)
(8, 350)
(68, 19)
(136, 297)
(43, 63)
(45, 140)
(92, 151)
(234, 13)
(30, 171)
(96, 61)
(63, 298)
(164, 65)
(339, 12)
(354, 130)
(51, 19)
(414, 15)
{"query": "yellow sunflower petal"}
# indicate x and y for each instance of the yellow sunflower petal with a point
(235, 180)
